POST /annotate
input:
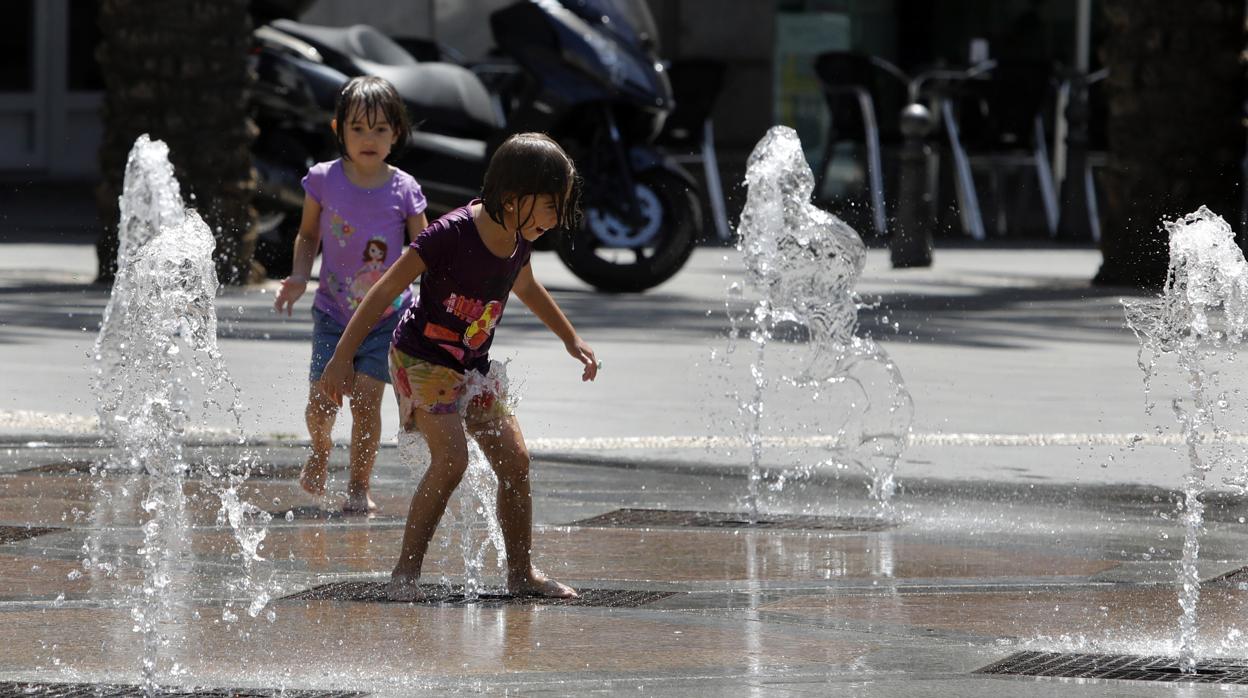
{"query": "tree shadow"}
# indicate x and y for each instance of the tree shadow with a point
(959, 315)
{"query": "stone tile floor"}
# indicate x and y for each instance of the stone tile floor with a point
(964, 578)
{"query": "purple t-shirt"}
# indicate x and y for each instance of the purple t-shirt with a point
(462, 293)
(363, 232)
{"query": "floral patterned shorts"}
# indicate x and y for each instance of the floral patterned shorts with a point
(420, 384)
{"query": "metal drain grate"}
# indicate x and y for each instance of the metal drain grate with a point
(375, 592)
(1239, 576)
(1123, 667)
(69, 467)
(97, 690)
(13, 534)
(677, 518)
(261, 471)
(315, 513)
(272, 471)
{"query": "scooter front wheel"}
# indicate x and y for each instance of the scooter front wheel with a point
(618, 254)
(275, 244)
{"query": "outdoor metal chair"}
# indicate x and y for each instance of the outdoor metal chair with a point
(1002, 122)
(1082, 97)
(856, 88)
(689, 132)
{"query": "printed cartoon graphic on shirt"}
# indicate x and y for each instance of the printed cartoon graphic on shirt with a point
(481, 317)
(482, 327)
(340, 229)
(370, 273)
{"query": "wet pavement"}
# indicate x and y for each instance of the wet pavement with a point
(1035, 510)
(912, 604)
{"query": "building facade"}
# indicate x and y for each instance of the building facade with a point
(50, 87)
(50, 90)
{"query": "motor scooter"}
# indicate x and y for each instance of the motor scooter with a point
(586, 73)
(292, 104)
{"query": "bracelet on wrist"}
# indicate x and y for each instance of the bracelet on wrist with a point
(297, 277)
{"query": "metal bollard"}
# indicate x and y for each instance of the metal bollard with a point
(911, 242)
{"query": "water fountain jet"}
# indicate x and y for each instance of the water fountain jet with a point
(157, 362)
(1202, 310)
(473, 511)
(805, 262)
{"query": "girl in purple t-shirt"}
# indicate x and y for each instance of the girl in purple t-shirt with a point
(360, 211)
(469, 261)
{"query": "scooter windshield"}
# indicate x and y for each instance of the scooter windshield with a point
(629, 20)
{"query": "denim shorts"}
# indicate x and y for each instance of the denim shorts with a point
(370, 359)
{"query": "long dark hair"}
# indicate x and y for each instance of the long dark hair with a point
(531, 164)
(369, 96)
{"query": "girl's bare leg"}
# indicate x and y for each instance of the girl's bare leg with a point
(503, 445)
(319, 415)
(365, 436)
(448, 451)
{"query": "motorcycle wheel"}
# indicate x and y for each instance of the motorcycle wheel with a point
(613, 256)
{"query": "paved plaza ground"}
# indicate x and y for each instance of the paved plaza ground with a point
(1035, 510)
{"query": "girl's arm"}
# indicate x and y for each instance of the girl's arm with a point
(537, 298)
(339, 373)
(415, 224)
(306, 243)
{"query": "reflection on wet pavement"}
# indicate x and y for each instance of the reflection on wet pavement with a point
(911, 609)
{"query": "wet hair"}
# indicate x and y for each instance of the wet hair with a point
(370, 96)
(378, 242)
(531, 165)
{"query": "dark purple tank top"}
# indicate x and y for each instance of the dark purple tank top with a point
(462, 295)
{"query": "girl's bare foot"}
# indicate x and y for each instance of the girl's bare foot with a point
(314, 475)
(404, 588)
(358, 503)
(536, 583)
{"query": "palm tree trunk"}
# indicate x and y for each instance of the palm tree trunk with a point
(178, 71)
(1176, 138)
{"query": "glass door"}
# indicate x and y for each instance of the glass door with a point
(76, 89)
(23, 86)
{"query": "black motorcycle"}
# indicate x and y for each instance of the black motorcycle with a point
(585, 72)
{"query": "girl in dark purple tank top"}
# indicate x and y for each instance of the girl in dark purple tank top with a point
(469, 262)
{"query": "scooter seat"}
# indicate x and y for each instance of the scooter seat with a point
(356, 41)
(443, 97)
(462, 149)
(447, 98)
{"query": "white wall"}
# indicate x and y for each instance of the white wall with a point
(463, 25)
(408, 18)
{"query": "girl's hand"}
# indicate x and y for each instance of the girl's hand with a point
(581, 352)
(292, 288)
(338, 379)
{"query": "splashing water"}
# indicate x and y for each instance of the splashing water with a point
(151, 199)
(805, 262)
(474, 510)
(1202, 310)
(155, 355)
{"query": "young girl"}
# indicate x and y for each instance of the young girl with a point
(359, 207)
(468, 262)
